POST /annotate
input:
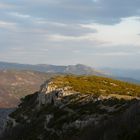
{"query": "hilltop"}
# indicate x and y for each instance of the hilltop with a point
(96, 85)
(77, 108)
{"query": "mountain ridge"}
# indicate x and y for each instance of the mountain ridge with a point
(78, 69)
(70, 69)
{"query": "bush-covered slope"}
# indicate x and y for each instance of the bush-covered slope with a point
(97, 85)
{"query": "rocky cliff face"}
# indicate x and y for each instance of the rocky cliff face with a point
(50, 93)
(59, 112)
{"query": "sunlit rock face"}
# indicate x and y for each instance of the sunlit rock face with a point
(51, 93)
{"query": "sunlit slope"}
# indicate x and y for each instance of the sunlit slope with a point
(97, 85)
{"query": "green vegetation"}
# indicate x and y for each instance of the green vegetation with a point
(97, 85)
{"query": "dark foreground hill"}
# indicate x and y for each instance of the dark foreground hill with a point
(77, 108)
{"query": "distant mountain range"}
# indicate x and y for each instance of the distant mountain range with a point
(78, 69)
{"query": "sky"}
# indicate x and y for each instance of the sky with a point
(98, 33)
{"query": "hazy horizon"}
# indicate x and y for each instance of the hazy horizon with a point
(97, 33)
(91, 66)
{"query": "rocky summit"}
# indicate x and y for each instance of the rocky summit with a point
(77, 108)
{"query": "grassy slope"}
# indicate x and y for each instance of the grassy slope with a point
(97, 85)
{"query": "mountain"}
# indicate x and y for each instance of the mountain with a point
(77, 108)
(130, 74)
(80, 69)
(70, 69)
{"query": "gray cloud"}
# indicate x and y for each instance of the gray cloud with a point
(76, 11)
(81, 11)
(41, 25)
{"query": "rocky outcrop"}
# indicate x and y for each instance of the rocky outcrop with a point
(51, 93)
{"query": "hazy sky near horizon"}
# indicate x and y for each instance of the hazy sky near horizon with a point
(99, 33)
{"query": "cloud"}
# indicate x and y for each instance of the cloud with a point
(7, 25)
(81, 11)
(43, 26)
(66, 30)
(124, 33)
(18, 15)
(6, 5)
